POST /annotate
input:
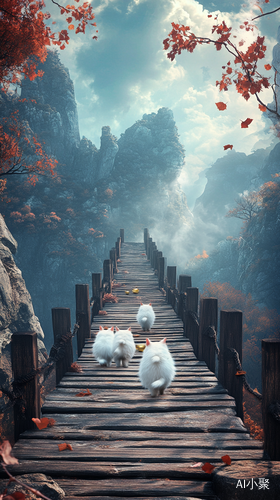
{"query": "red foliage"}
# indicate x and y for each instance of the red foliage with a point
(252, 415)
(244, 75)
(20, 154)
(24, 34)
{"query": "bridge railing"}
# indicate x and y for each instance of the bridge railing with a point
(31, 382)
(200, 319)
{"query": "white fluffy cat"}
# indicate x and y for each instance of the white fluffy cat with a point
(123, 347)
(157, 368)
(145, 316)
(102, 348)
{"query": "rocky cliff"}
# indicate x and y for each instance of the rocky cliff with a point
(16, 315)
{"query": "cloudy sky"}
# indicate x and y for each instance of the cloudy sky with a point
(126, 73)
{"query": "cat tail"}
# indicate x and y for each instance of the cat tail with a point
(155, 359)
(158, 384)
(102, 362)
(118, 350)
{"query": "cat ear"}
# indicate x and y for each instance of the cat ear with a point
(112, 329)
(141, 303)
(100, 328)
(148, 341)
(129, 329)
(163, 341)
(117, 329)
(150, 304)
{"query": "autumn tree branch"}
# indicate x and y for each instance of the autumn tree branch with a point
(266, 13)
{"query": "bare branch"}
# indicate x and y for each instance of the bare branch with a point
(266, 13)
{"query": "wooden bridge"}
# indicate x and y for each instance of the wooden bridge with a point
(124, 443)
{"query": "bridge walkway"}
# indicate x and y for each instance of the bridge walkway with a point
(124, 442)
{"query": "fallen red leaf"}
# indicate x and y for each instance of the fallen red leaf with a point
(207, 467)
(65, 446)
(5, 451)
(246, 123)
(226, 459)
(228, 146)
(240, 372)
(81, 394)
(221, 106)
(43, 422)
(75, 367)
(267, 66)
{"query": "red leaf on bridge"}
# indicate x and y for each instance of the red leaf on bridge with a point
(43, 422)
(207, 467)
(65, 446)
(81, 394)
(226, 459)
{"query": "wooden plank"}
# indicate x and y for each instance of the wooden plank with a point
(134, 489)
(223, 420)
(123, 407)
(137, 435)
(114, 452)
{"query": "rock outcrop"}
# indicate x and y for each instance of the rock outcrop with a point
(16, 315)
(51, 110)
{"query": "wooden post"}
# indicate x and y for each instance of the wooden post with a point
(208, 318)
(153, 251)
(122, 235)
(185, 282)
(154, 247)
(83, 317)
(24, 361)
(146, 236)
(171, 285)
(107, 274)
(231, 337)
(118, 246)
(161, 268)
(113, 257)
(159, 254)
(61, 321)
(96, 293)
(271, 396)
(149, 244)
(171, 276)
(154, 259)
(191, 326)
